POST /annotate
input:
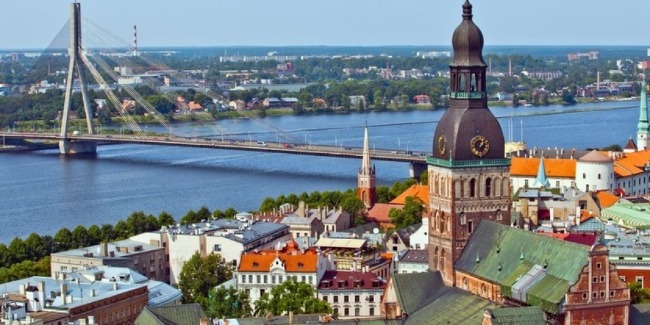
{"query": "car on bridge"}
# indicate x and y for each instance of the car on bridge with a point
(261, 143)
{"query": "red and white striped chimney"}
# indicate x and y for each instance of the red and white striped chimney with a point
(135, 40)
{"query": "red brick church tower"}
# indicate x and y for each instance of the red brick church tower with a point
(469, 178)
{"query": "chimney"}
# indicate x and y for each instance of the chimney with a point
(114, 285)
(41, 292)
(103, 249)
(92, 293)
(64, 292)
(21, 289)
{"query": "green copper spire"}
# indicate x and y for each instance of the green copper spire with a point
(541, 180)
(643, 110)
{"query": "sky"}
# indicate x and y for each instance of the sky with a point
(35, 23)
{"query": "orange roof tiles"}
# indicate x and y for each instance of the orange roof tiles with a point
(606, 199)
(631, 163)
(293, 262)
(419, 191)
(195, 106)
(557, 168)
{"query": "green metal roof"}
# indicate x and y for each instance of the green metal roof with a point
(507, 253)
(518, 316)
(414, 290)
(451, 306)
(629, 215)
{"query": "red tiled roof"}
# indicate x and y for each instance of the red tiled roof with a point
(560, 168)
(347, 280)
(419, 191)
(606, 199)
(581, 238)
(293, 262)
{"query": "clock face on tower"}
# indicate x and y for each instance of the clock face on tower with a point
(442, 145)
(479, 145)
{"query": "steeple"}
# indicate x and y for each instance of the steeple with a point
(643, 127)
(365, 163)
(541, 180)
(366, 182)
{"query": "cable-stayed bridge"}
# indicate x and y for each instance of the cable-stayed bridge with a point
(97, 63)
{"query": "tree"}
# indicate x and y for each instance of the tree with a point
(424, 178)
(227, 303)
(165, 219)
(638, 294)
(230, 213)
(200, 274)
(268, 205)
(410, 214)
(291, 296)
(355, 207)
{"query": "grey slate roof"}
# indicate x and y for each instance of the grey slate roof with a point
(362, 229)
(640, 314)
(405, 233)
(188, 314)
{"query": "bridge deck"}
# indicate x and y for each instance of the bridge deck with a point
(297, 149)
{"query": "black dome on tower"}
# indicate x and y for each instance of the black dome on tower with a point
(467, 41)
(468, 130)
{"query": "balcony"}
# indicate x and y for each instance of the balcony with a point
(467, 95)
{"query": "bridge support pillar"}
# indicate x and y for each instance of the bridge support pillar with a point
(416, 169)
(67, 147)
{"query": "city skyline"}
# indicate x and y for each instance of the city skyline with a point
(332, 22)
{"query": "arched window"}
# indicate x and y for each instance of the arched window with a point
(499, 215)
(436, 260)
(598, 176)
(462, 219)
(488, 187)
(459, 188)
(462, 83)
(472, 188)
(473, 86)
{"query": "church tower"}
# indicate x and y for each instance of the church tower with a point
(366, 185)
(642, 141)
(469, 178)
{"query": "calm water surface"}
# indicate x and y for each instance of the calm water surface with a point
(43, 191)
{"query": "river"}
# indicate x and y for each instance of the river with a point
(43, 191)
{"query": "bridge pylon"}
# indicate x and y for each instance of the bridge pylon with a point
(67, 145)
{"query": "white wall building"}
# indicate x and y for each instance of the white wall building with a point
(226, 237)
(352, 294)
(259, 272)
(594, 171)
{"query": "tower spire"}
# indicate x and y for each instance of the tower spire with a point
(541, 180)
(366, 185)
(365, 164)
(643, 126)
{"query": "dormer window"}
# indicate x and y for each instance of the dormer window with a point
(341, 284)
(300, 264)
(255, 264)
